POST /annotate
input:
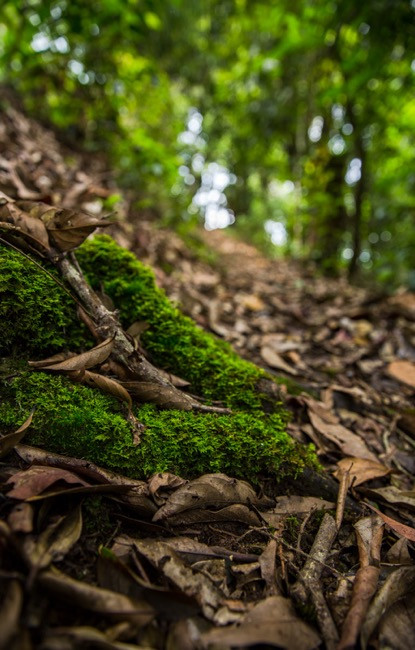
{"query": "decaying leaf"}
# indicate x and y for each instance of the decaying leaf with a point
(20, 518)
(272, 621)
(398, 584)
(192, 583)
(108, 385)
(392, 494)
(96, 599)
(327, 424)
(401, 529)
(209, 490)
(82, 361)
(8, 442)
(84, 636)
(54, 542)
(10, 608)
(137, 493)
(13, 217)
(274, 360)
(403, 371)
(67, 229)
(36, 479)
(361, 469)
(163, 396)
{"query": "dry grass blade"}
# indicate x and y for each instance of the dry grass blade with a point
(8, 442)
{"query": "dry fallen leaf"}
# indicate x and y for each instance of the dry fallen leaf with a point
(274, 360)
(403, 371)
(273, 621)
(8, 442)
(360, 469)
(10, 609)
(96, 599)
(398, 584)
(36, 479)
(82, 361)
(401, 529)
(209, 490)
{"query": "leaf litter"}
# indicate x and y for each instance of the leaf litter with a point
(224, 563)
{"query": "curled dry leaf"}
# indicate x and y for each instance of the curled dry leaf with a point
(209, 490)
(360, 470)
(96, 599)
(162, 484)
(10, 609)
(398, 584)
(274, 360)
(191, 582)
(82, 361)
(393, 495)
(13, 217)
(67, 229)
(108, 385)
(20, 518)
(403, 371)
(327, 424)
(36, 479)
(54, 542)
(84, 636)
(8, 442)
(137, 494)
(272, 621)
(163, 396)
(236, 513)
(400, 529)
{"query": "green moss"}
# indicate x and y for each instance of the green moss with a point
(37, 316)
(173, 340)
(81, 421)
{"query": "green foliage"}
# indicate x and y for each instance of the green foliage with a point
(174, 342)
(292, 95)
(36, 314)
(81, 421)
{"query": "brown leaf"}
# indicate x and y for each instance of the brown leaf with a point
(20, 518)
(398, 584)
(274, 360)
(391, 494)
(108, 385)
(137, 494)
(403, 371)
(82, 636)
(14, 218)
(289, 505)
(401, 529)
(360, 470)
(327, 424)
(163, 396)
(364, 587)
(67, 229)
(236, 513)
(82, 361)
(36, 479)
(191, 582)
(209, 490)
(273, 621)
(96, 599)
(54, 542)
(11, 607)
(8, 442)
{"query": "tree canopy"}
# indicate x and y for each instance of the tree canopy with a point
(292, 120)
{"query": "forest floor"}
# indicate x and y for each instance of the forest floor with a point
(144, 569)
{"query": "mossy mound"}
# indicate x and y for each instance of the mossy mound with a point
(39, 318)
(83, 422)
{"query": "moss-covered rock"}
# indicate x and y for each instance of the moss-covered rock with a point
(39, 318)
